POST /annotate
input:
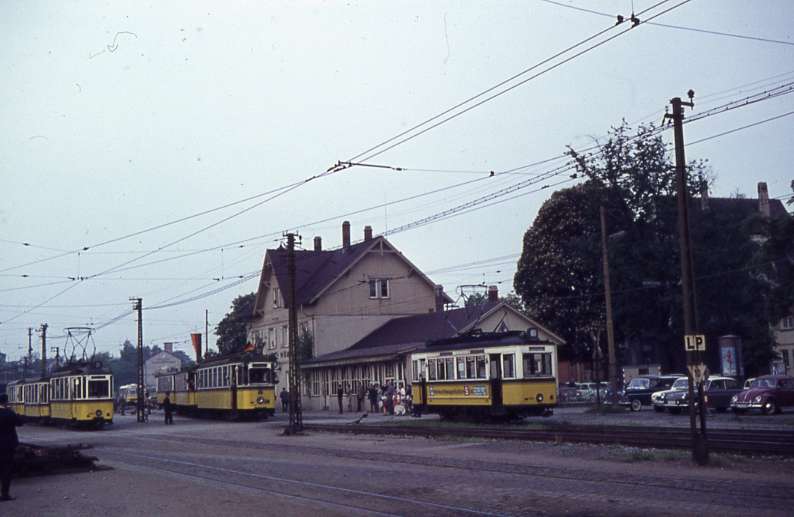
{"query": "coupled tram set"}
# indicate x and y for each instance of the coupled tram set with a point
(236, 387)
(507, 374)
(78, 394)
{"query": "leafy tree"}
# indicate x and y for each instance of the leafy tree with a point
(475, 299)
(305, 344)
(232, 329)
(559, 275)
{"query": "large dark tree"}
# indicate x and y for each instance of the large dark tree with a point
(232, 329)
(559, 274)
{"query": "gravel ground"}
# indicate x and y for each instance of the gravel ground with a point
(217, 468)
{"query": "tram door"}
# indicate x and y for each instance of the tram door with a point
(496, 379)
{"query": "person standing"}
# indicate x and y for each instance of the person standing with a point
(390, 398)
(362, 392)
(284, 396)
(373, 399)
(8, 444)
(168, 408)
(339, 395)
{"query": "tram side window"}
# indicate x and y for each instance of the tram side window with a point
(449, 368)
(461, 366)
(431, 369)
(98, 389)
(482, 367)
(471, 364)
(225, 376)
(415, 370)
(537, 365)
(508, 366)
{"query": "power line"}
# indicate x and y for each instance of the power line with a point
(740, 128)
(512, 87)
(677, 27)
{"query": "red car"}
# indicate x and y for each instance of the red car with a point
(770, 394)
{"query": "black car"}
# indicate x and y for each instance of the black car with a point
(639, 389)
(719, 391)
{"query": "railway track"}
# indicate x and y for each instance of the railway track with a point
(778, 443)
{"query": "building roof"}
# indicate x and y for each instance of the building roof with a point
(407, 334)
(316, 271)
(742, 207)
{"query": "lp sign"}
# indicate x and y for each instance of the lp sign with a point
(695, 343)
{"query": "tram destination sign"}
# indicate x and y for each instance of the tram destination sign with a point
(695, 343)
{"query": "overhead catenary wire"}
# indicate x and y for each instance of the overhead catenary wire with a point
(512, 87)
(677, 27)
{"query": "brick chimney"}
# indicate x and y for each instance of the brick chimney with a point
(493, 293)
(346, 234)
(439, 292)
(763, 199)
(368, 233)
(318, 243)
(168, 347)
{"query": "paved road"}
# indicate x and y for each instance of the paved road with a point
(201, 468)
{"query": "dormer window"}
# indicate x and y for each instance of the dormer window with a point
(379, 288)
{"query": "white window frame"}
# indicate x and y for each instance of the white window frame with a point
(381, 288)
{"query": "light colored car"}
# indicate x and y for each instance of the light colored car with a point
(660, 400)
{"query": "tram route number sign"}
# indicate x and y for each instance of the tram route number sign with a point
(695, 343)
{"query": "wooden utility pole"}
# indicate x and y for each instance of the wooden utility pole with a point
(295, 412)
(206, 332)
(699, 445)
(29, 358)
(613, 371)
(137, 305)
(44, 350)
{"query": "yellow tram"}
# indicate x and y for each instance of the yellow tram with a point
(238, 386)
(507, 374)
(77, 394)
(81, 394)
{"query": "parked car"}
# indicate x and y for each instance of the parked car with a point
(638, 392)
(664, 399)
(718, 393)
(748, 382)
(770, 394)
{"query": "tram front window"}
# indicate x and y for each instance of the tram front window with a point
(537, 365)
(259, 375)
(98, 389)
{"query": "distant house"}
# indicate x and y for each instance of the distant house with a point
(158, 363)
(342, 295)
(384, 354)
(733, 211)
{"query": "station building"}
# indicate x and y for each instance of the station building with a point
(361, 309)
(384, 354)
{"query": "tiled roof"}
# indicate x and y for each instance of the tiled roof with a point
(315, 270)
(742, 207)
(409, 333)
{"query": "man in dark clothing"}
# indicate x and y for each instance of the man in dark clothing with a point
(8, 444)
(284, 395)
(373, 399)
(339, 394)
(390, 398)
(168, 408)
(362, 392)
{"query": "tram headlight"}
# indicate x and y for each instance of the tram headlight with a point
(98, 413)
(260, 400)
(539, 398)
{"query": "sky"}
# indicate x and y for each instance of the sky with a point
(121, 116)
